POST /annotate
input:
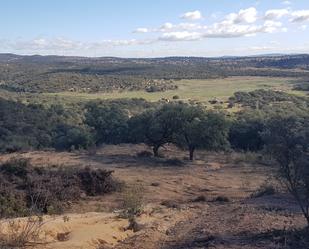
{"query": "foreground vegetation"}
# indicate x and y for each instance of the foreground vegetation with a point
(26, 190)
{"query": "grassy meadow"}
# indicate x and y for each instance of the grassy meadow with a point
(195, 90)
(199, 90)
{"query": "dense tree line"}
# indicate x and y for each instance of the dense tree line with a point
(137, 121)
(34, 126)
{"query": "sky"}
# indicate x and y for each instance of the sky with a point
(154, 28)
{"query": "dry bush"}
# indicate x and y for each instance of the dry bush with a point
(132, 201)
(26, 190)
(64, 236)
(21, 233)
(96, 182)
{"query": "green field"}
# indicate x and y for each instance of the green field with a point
(195, 90)
(199, 90)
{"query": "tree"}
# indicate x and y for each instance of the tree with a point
(201, 130)
(245, 131)
(67, 137)
(108, 121)
(287, 139)
(155, 127)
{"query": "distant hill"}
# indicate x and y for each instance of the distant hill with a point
(38, 73)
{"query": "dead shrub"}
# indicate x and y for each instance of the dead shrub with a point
(96, 182)
(65, 236)
(133, 201)
(21, 233)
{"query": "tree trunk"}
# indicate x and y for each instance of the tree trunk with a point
(156, 151)
(191, 154)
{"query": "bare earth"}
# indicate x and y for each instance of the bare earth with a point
(181, 222)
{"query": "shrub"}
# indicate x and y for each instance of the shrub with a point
(96, 182)
(132, 201)
(21, 233)
(287, 140)
(26, 190)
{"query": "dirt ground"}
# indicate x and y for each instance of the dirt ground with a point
(201, 204)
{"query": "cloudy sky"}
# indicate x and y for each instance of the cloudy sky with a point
(154, 28)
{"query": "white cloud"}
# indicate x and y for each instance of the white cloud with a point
(241, 24)
(55, 45)
(243, 16)
(192, 16)
(166, 26)
(181, 36)
(46, 44)
(229, 30)
(300, 16)
(261, 48)
(141, 30)
(276, 14)
(272, 27)
(287, 2)
(303, 27)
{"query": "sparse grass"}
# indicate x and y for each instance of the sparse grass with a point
(244, 157)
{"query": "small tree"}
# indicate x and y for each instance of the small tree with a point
(245, 132)
(287, 139)
(156, 127)
(108, 121)
(201, 130)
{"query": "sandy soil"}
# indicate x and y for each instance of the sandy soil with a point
(181, 222)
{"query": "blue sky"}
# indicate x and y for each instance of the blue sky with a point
(140, 28)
